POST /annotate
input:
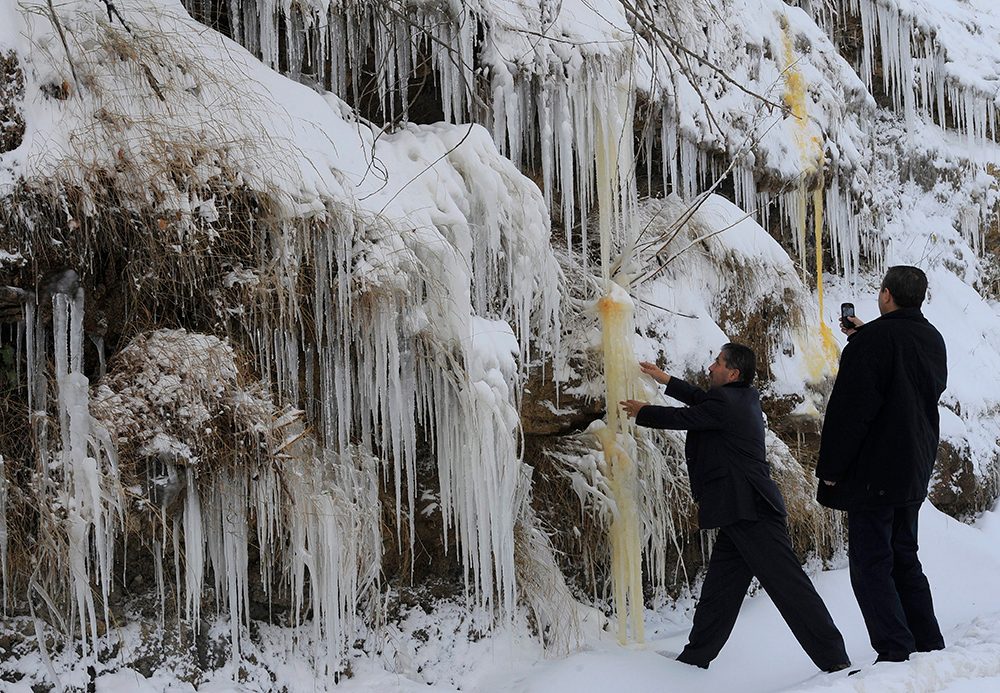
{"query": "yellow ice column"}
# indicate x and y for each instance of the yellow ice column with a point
(810, 146)
(831, 353)
(617, 329)
(808, 140)
(615, 203)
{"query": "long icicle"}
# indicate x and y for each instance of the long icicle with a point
(615, 196)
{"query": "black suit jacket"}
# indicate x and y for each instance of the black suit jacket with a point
(725, 449)
(880, 435)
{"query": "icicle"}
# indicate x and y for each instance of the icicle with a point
(226, 536)
(614, 173)
(90, 506)
(830, 350)
(617, 331)
(161, 584)
(175, 536)
(194, 551)
(267, 32)
(37, 389)
(3, 535)
(688, 169)
(668, 141)
(68, 393)
(811, 155)
(98, 342)
(563, 142)
(744, 187)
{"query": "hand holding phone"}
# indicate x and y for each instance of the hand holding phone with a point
(847, 311)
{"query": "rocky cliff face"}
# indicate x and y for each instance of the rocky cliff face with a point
(300, 301)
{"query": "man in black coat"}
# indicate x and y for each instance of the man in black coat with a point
(879, 443)
(731, 482)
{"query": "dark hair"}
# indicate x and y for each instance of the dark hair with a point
(908, 285)
(740, 358)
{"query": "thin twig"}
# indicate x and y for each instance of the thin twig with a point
(654, 305)
(696, 241)
(62, 37)
(649, 22)
(113, 12)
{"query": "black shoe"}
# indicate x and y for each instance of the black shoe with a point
(836, 667)
(892, 657)
(700, 665)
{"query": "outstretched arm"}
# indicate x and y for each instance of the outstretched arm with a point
(654, 372)
(685, 392)
(706, 415)
(675, 387)
(632, 407)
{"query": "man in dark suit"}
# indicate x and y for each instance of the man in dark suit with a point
(879, 443)
(731, 482)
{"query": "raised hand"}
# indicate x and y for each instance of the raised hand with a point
(654, 372)
(632, 406)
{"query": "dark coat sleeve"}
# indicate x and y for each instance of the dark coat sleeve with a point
(707, 415)
(858, 395)
(684, 392)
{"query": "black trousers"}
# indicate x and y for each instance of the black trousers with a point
(760, 548)
(889, 582)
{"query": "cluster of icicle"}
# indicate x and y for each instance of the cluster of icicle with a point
(422, 332)
(921, 74)
(411, 332)
(77, 474)
(914, 60)
(423, 364)
(392, 363)
(539, 90)
(545, 66)
(313, 514)
(386, 364)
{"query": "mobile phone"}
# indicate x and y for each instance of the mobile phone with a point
(847, 311)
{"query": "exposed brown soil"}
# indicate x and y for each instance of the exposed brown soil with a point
(955, 487)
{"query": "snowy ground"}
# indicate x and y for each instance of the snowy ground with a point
(431, 652)
(962, 564)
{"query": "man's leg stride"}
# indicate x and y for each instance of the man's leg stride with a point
(767, 548)
(722, 594)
